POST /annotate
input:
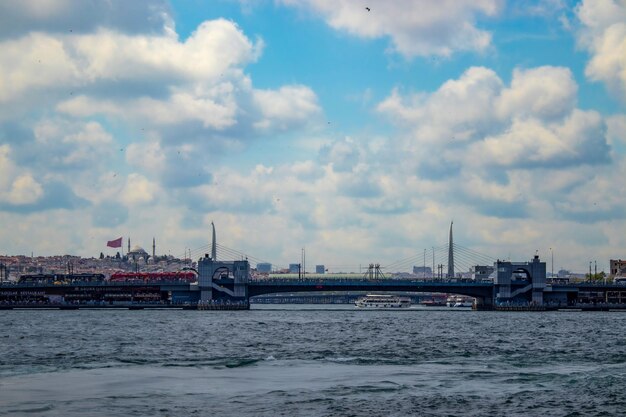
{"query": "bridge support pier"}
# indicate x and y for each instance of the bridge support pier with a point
(511, 291)
(483, 304)
(223, 282)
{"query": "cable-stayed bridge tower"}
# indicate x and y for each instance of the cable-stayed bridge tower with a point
(222, 280)
(451, 254)
(213, 244)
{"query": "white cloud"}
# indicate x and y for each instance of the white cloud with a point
(175, 99)
(283, 108)
(477, 124)
(62, 144)
(138, 190)
(148, 156)
(461, 109)
(502, 149)
(24, 190)
(343, 155)
(603, 34)
(477, 102)
(544, 92)
(17, 186)
(42, 60)
(218, 106)
(478, 107)
(432, 27)
(215, 109)
(34, 61)
(214, 47)
(530, 143)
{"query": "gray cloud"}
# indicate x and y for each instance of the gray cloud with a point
(58, 145)
(359, 186)
(438, 169)
(501, 209)
(588, 216)
(56, 195)
(80, 16)
(180, 175)
(109, 214)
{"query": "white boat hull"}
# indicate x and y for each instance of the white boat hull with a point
(382, 301)
(382, 305)
(459, 302)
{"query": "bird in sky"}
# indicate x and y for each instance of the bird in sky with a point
(367, 8)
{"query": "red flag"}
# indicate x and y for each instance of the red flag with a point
(117, 243)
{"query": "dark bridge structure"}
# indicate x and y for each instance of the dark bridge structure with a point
(515, 284)
(228, 285)
(482, 291)
(512, 283)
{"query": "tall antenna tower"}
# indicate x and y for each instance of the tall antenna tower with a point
(451, 254)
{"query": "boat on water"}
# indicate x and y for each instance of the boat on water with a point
(433, 303)
(383, 301)
(459, 301)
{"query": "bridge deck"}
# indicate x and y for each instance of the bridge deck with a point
(474, 289)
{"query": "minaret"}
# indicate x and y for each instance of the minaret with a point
(451, 254)
(153, 248)
(213, 245)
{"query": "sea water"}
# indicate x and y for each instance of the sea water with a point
(312, 361)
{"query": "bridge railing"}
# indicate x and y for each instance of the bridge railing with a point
(353, 281)
(14, 284)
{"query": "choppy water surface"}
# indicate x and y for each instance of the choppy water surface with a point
(311, 362)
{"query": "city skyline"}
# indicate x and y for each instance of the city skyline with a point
(358, 130)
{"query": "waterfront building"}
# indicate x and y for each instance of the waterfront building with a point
(319, 269)
(481, 272)
(294, 268)
(264, 268)
(618, 267)
(423, 271)
(563, 273)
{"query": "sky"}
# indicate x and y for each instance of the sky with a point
(357, 130)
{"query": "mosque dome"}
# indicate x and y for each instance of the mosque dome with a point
(137, 250)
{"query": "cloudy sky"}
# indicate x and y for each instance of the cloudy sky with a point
(358, 134)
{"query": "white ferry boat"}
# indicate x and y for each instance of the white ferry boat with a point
(383, 301)
(459, 301)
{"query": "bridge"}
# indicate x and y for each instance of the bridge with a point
(513, 284)
(480, 290)
(231, 280)
(226, 290)
(219, 283)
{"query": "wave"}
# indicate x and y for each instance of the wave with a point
(238, 363)
(36, 409)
